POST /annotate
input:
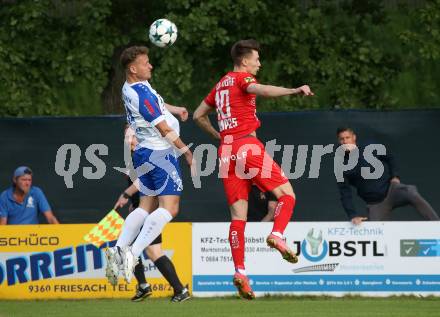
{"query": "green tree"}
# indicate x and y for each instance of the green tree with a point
(62, 57)
(323, 46)
(52, 51)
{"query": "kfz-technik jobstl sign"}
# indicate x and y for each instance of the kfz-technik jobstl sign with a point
(335, 258)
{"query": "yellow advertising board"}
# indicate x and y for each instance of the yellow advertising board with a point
(53, 261)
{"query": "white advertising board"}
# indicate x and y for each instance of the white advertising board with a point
(335, 258)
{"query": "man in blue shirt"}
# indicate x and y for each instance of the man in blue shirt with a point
(21, 203)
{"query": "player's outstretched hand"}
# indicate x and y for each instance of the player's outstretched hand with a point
(395, 180)
(358, 220)
(183, 114)
(122, 201)
(193, 168)
(305, 90)
(191, 162)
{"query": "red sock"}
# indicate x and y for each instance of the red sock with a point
(283, 213)
(236, 241)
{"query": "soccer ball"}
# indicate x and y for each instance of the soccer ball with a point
(163, 33)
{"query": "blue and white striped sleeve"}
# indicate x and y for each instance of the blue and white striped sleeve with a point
(148, 107)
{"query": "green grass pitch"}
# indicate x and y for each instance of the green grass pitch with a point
(229, 307)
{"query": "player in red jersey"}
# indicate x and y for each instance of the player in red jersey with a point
(243, 159)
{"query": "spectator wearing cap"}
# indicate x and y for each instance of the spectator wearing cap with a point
(21, 203)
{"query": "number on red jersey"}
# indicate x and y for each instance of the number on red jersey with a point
(234, 105)
(222, 103)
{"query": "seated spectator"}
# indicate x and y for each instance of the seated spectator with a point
(21, 203)
(382, 195)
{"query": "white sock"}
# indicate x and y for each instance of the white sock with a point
(132, 225)
(153, 226)
(278, 234)
(241, 271)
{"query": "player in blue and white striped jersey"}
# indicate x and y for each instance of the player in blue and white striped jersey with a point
(155, 161)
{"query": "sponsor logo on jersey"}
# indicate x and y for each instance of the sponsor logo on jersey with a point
(149, 107)
(30, 202)
(249, 79)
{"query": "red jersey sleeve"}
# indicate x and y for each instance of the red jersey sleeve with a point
(244, 80)
(210, 99)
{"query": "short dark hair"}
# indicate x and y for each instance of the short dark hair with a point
(343, 129)
(131, 53)
(242, 48)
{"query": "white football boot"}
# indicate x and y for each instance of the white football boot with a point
(112, 267)
(128, 263)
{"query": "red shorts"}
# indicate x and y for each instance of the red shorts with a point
(245, 162)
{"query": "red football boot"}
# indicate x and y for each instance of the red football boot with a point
(278, 243)
(242, 283)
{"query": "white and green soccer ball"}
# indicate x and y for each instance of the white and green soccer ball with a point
(163, 33)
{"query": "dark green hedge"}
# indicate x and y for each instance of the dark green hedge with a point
(60, 57)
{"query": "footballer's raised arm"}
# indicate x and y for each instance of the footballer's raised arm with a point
(201, 118)
(178, 111)
(276, 91)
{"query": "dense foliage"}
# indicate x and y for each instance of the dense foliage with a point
(61, 57)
